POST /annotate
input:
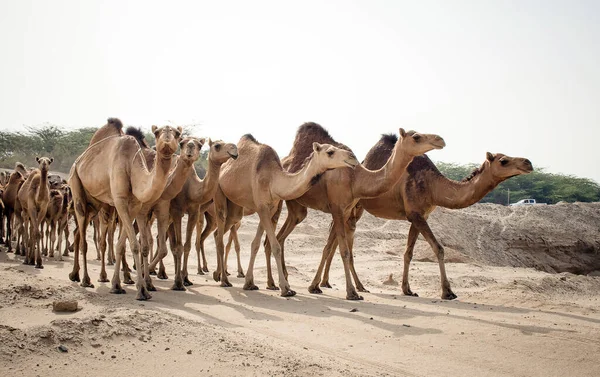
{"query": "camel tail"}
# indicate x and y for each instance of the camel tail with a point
(116, 122)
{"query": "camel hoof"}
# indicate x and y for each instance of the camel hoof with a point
(117, 290)
(109, 263)
(226, 284)
(74, 276)
(362, 289)
(162, 276)
(150, 287)
(288, 293)
(449, 296)
(216, 276)
(39, 266)
(411, 294)
(200, 272)
(325, 284)
(250, 287)
(315, 290)
(178, 287)
(103, 280)
(205, 269)
(187, 282)
(143, 295)
(152, 272)
(272, 287)
(227, 273)
(128, 281)
(354, 296)
(241, 275)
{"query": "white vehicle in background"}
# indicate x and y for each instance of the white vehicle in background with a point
(525, 202)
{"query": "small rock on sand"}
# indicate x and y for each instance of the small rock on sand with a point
(64, 306)
(390, 280)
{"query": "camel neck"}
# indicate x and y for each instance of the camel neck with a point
(453, 194)
(372, 183)
(43, 187)
(179, 177)
(205, 189)
(289, 186)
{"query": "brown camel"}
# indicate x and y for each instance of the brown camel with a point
(417, 194)
(258, 183)
(112, 171)
(53, 215)
(195, 192)
(9, 198)
(339, 191)
(4, 178)
(34, 196)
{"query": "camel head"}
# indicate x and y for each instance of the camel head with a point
(503, 167)
(333, 157)
(44, 162)
(190, 148)
(415, 143)
(3, 178)
(167, 139)
(15, 178)
(221, 151)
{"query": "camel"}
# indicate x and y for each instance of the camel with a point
(190, 152)
(338, 191)
(258, 183)
(112, 171)
(417, 194)
(9, 198)
(34, 196)
(56, 219)
(195, 192)
(3, 178)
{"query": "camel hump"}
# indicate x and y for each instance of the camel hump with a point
(116, 122)
(389, 139)
(251, 138)
(138, 135)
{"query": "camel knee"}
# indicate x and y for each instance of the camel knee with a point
(439, 252)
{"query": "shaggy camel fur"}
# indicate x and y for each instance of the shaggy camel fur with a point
(34, 196)
(338, 191)
(112, 171)
(417, 194)
(258, 183)
(9, 198)
(195, 192)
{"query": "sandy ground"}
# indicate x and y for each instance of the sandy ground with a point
(508, 319)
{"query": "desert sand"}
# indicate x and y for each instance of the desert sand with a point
(526, 279)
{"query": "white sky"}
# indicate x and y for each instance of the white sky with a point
(517, 77)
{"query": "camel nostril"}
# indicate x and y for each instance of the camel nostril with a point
(528, 162)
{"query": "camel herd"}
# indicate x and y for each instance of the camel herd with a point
(120, 182)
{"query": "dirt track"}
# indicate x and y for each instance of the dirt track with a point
(508, 319)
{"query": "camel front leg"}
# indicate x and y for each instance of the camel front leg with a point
(201, 235)
(177, 251)
(411, 240)
(146, 240)
(341, 228)
(103, 224)
(249, 281)
(233, 236)
(329, 249)
(187, 246)
(267, 221)
(421, 224)
(223, 220)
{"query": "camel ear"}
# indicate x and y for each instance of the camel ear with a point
(317, 147)
(37, 159)
(51, 159)
(490, 156)
(210, 142)
(179, 131)
(181, 143)
(402, 132)
(154, 128)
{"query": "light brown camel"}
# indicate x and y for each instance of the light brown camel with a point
(4, 178)
(190, 152)
(53, 216)
(338, 191)
(417, 194)
(112, 171)
(195, 192)
(9, 197)
(34, 196)
(257, 182)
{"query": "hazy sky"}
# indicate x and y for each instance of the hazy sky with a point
(517, 77)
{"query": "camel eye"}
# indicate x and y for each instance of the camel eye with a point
(416, 137)
(217, 147)
(330, 153)
(503, 162)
